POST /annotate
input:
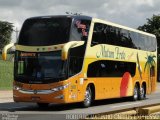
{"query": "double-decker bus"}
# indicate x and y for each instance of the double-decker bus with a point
(67, 59)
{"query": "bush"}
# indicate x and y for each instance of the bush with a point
(6, 75)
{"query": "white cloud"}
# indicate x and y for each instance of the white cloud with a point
(145, 2)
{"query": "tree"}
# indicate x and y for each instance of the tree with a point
(6, 30)
(153, 26)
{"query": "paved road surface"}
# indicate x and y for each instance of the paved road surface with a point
(30, 111)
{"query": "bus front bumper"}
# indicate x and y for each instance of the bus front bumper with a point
(40, 96)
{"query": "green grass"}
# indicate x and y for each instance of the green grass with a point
(6, 75)
(9, 57)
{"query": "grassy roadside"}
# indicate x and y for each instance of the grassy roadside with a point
(6, 75)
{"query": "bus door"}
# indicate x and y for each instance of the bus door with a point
(72, 71)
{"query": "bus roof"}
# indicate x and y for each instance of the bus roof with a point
(69, 16)
(121, 26)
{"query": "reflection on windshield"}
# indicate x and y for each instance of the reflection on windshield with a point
(45, 31)
(53, 31)
(40, 66)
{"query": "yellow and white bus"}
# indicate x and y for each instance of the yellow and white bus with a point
(66, 59)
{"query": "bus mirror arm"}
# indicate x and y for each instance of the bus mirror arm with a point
(69, 45)
(5, 49)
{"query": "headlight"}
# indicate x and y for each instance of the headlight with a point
(16, 87)
(60, 87)
(59, 97)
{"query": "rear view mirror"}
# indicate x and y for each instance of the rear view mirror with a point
(69, 45)
(5, 49)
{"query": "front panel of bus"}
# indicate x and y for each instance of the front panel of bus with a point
(40, 73)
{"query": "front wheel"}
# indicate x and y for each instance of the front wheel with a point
(88, 97)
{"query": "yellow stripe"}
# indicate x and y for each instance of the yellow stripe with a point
(39, 48)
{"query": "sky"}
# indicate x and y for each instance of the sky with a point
(131, 13)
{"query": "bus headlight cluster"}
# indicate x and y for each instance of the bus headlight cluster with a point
(16, 87)
(60, 88)
(60, 97)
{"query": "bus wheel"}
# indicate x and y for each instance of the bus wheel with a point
(135, 93)
(42, 105)
(142, 93)
(88, 97)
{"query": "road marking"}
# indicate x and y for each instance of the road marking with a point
(126, 105)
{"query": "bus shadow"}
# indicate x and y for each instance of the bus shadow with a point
(12, 107)
(96, 103)
(60, 107)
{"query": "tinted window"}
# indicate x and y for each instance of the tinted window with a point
(106, 34)
(45, 31)
(100, 34)
(110, 68)
(39, 67)
(125, 39)
(135, 39)
(75, 65)
(80, 29)
(76, 57)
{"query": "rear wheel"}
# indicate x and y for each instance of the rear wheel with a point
(142, 93)
(42, 105)
(88, 97)
(135, 93)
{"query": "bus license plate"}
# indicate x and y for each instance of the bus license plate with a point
(35, 98)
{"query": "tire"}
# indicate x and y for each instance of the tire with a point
(142, 93)
(135, 93)
(43, 105)
(88, 97)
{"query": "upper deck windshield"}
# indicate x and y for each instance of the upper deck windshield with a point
(45, 31)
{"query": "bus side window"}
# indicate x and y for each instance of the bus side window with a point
(125, 39)
(76, 57)
(94, 39)
(105, 34)
(107, 68)
(98, 36)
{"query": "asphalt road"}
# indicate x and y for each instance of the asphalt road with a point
(29, 111)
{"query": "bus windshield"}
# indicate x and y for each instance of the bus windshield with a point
(39, 67)
(45, 31)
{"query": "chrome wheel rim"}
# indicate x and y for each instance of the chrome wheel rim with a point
(142, 92)
(88, 96)
(135, 93)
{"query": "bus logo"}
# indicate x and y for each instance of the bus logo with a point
(35, 91)
(106, 53)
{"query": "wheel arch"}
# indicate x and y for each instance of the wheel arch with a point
(136, 83)
(145, 86)
(93, 89)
